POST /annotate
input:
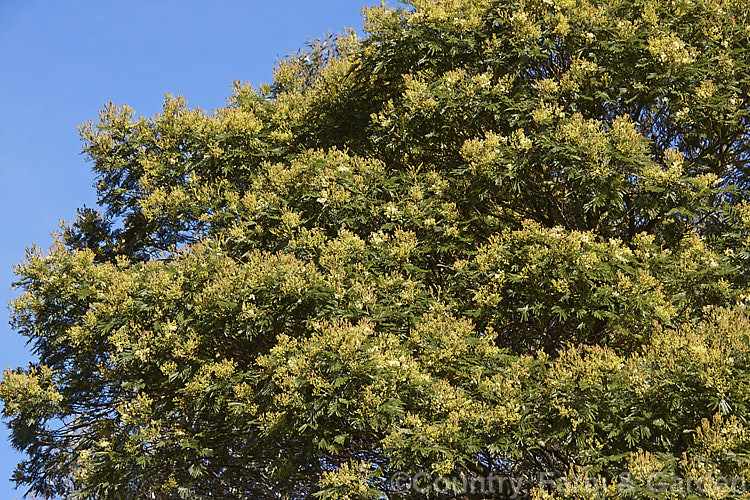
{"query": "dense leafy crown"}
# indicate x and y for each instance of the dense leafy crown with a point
(490, 236)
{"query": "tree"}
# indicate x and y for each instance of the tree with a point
(489, 237)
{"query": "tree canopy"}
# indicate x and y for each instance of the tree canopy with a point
(501, 237)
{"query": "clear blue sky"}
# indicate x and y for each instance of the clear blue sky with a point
(60, 62)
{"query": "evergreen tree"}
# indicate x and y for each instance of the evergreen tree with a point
(492, 237)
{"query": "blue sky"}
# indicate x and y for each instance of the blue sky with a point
(60, 62)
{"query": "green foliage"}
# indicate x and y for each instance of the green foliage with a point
(490, 237)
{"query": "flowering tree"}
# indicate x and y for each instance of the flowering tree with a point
(490, 237)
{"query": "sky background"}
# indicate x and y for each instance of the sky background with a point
(61, 62)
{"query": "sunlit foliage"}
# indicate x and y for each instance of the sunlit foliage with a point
(490, 236)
